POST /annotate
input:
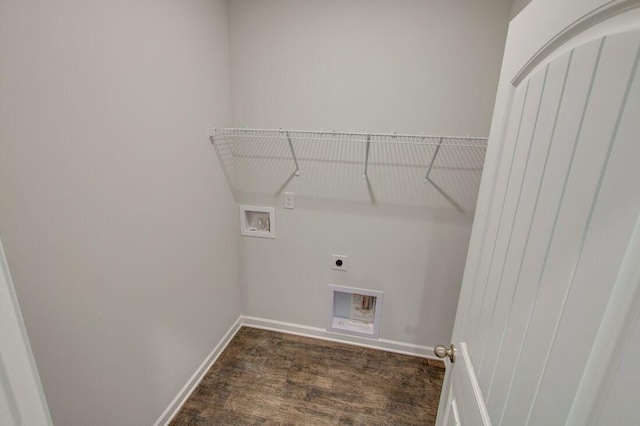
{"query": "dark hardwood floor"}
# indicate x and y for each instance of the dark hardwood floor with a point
(264, 377)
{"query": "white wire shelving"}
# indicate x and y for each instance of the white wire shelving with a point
(327, 164)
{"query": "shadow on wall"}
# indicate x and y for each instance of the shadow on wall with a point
(438, 174)
(431, 316)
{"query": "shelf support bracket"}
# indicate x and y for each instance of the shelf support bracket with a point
(436, 186)
(293, 154)
(435, 154)
(366, 158)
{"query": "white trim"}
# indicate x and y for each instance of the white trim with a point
(477, 392)
(454, 411)
(174, 406)
(321, 333)
(572, 30)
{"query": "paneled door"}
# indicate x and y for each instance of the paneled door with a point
(547, 322)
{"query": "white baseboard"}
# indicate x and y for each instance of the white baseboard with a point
(283, 327)
(175, 405)
(321, 333)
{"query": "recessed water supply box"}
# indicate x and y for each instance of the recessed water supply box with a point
(355, 311)
(258, 221)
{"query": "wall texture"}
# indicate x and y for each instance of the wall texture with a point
(371, 66)
(119, 228)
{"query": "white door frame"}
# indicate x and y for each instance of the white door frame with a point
(22, 400)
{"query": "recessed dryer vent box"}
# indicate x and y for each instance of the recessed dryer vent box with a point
(354, 311)
(258, 221)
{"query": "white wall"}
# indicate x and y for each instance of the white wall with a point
(367, 65)
(415, 257)
(372, 66)
(119, 228)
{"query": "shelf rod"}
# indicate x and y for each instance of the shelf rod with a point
(435, 154)
(481, 144)
(293, 153)
(424, 141)
(366, 158)
(320, 132)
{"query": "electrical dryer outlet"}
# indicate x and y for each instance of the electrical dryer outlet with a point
(339, 262)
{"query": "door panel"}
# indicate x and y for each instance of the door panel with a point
(569, 113)
(618, 408)
(556, 229)
(514, 181)
(495, 213)
(568, 233)
(521, 234)
(605, 240)
(563, 230)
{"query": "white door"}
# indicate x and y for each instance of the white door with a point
(21, 398)
(547, 323)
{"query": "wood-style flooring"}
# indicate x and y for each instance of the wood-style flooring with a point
(265, 377)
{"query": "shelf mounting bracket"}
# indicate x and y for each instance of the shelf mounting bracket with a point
(435, 154)
(366, 158)
(435, 185)
(293, 154)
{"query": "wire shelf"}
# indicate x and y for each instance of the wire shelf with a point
(395, 168)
